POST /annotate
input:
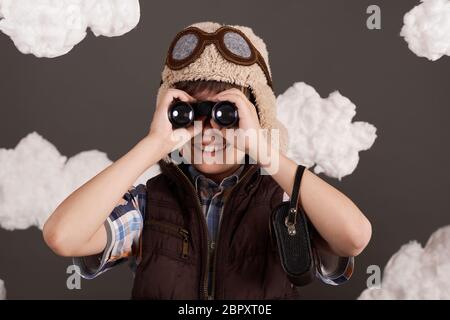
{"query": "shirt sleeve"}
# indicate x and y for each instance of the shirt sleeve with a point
(331, 268)
(123, 228)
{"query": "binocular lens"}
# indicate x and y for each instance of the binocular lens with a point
(181, 114)
(225, 114)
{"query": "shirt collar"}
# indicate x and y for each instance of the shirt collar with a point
(200, 179)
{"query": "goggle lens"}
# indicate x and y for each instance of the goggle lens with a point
(237, 45)
(185, 46)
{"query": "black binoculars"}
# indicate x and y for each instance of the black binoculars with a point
(182, 114)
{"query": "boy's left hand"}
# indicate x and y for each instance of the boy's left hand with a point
(248, 117)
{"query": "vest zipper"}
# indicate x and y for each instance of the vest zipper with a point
(176, 230)
(219, 228)
(204, 289)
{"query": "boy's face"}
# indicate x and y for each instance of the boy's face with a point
(212, 149)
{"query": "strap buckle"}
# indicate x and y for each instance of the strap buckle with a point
(290, 221)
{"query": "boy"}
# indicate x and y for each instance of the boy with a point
(200, 230)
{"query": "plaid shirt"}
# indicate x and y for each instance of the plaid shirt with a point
(210, 194)
(125, 223)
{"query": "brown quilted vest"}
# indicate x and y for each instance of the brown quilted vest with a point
(174, 248)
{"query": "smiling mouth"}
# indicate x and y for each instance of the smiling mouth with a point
(211, 148)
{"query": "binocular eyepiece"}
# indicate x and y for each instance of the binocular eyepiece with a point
(182, 114)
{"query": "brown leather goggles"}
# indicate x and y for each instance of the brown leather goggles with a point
(232, 44)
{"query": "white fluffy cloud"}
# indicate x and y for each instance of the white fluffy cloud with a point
(427, 29)
(35, 178)
(321, 131)
(2, 290)
(417, 273)
(49, 28)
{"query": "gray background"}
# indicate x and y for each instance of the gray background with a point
(101, 96)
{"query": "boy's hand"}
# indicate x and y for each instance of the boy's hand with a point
(248, 118)
(161, 128)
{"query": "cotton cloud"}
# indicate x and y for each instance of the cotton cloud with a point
(49, 28)
(2, 290)
(427, 29)
(417, 273)
(35, 178)
(321, 131)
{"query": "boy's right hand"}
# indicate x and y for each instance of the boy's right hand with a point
(77, 227)
(161, 128)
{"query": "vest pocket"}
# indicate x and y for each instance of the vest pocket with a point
(172, 229)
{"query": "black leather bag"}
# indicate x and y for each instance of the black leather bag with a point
(290, 226)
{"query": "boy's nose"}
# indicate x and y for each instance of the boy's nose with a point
(201, 118)
(206, 121)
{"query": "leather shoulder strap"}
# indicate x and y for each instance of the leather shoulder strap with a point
(296, 188)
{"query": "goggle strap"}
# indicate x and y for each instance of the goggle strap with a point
(203, 38)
